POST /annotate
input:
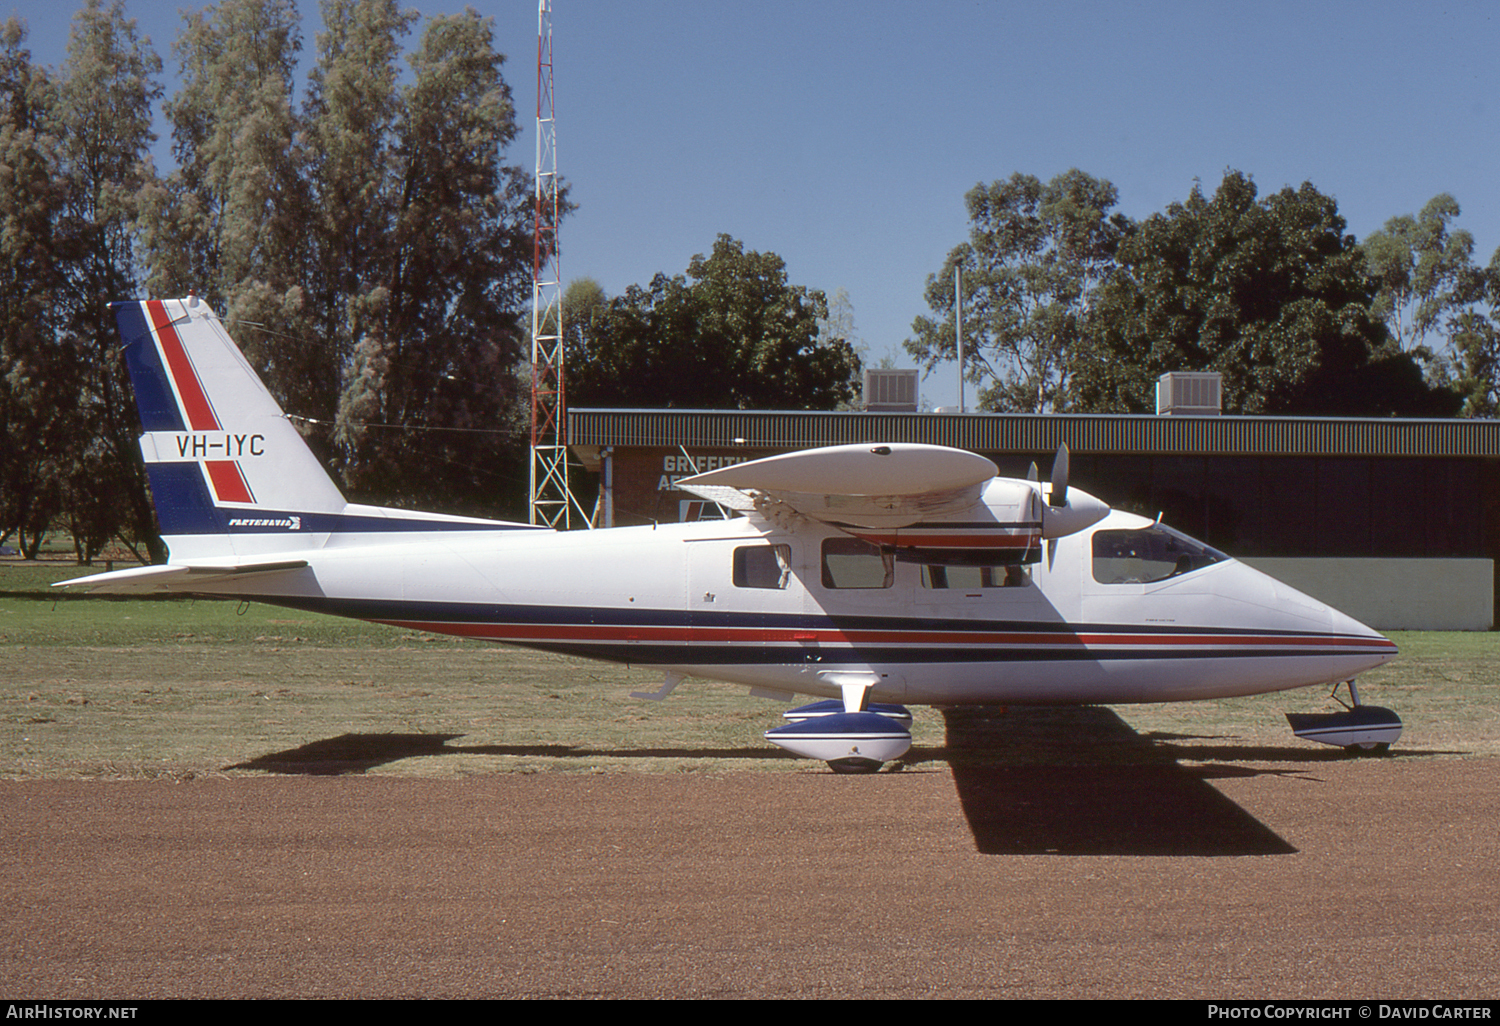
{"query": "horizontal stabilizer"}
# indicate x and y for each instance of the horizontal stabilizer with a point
(170, 577)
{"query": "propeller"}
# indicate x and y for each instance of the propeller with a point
(1063, 513)
(1058, 496)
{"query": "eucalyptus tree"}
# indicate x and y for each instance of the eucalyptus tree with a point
(370, 248)
(38, 373)
(106, 93)
(1270, 292)
(732, 333)
(231, 213)
(231, 222)
(1425, 271)
(350, 118)
(1036, 252)
(1473, 333)
(430, 412)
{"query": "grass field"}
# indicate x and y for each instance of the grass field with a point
(96, 687)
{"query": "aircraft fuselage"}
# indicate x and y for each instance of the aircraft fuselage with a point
(737, 601)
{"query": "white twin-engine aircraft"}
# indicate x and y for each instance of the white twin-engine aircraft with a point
(864, 575)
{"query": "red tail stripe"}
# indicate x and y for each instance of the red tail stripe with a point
(229, 481)
(194, 402)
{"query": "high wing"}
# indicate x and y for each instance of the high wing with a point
(926, 502)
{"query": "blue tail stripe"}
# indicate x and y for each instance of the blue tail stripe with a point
(183, 505)
(153, 392)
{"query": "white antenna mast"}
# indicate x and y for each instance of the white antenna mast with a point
(958, 330)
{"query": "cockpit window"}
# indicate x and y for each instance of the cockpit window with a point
(1150, 554)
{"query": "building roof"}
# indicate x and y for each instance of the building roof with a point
(1038, 433)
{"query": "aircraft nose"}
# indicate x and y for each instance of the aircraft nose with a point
(1364, 647)
(1081, 510)
(1383, 649)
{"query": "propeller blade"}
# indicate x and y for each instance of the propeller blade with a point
(1059, 494)
(1031, 474)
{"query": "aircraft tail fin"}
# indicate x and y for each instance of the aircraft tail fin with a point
(223, 458)
(230, 474)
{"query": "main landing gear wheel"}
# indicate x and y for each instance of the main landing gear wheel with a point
(1368, 748)
(854, 765)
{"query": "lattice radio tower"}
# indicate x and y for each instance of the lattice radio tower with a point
(552, 503)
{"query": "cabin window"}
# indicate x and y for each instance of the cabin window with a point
(1150, 554)
(973, 578)
(851, 563)
(762, 566)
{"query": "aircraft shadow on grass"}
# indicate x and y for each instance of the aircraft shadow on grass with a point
(1030, 781)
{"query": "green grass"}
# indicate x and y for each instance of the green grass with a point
(131, 687)
(1445, 685)
(33, 613)
(97, 687)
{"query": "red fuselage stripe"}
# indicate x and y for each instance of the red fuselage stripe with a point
(952, 541)
(689, 635)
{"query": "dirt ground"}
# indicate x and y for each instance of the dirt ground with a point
(1240, 872)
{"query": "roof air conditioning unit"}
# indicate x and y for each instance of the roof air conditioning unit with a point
(1190, 394)
(891, 391)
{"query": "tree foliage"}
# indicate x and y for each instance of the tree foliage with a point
(1425, 272)
(105, 98)
(232, 214)
(1440, 306)
(1473, 363)
(1269, 292)
(1035, 254)
(37, 371)
(435, 312)
(730, 334)
(369, 248)
(1069, 307)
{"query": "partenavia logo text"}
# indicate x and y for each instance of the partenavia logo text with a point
(290, 523)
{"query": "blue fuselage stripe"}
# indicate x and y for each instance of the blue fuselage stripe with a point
(706, 639)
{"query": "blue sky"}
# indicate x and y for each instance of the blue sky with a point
(844, 135)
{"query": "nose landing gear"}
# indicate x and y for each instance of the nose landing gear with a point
(1360, 729)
